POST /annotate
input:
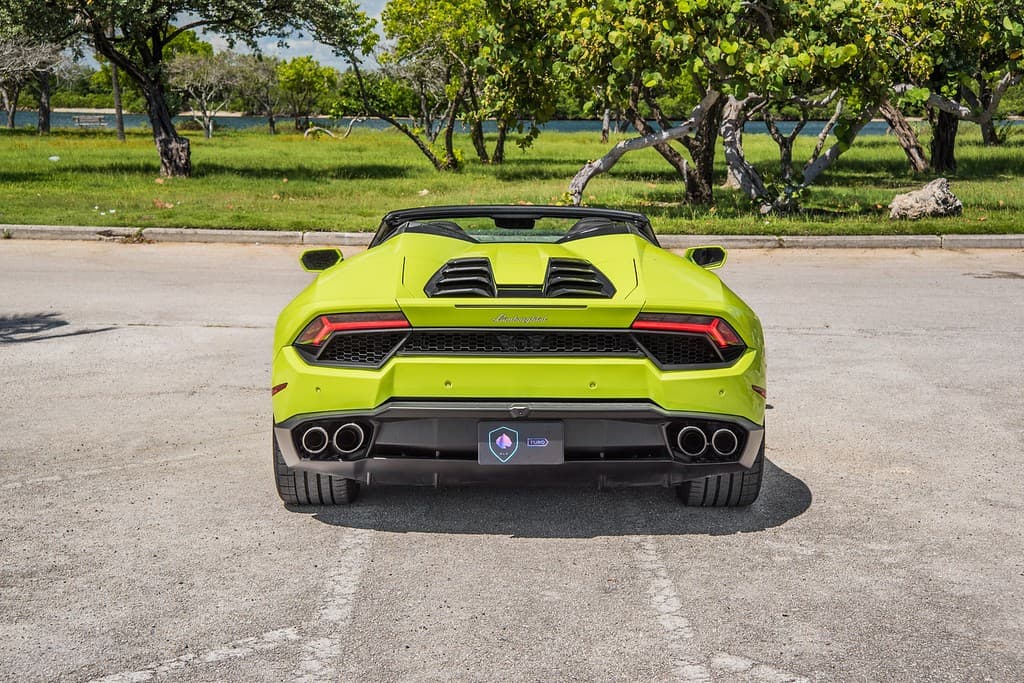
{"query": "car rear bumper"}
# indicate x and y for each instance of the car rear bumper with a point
(435, 443)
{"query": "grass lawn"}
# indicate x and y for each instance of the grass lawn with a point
(248, 179)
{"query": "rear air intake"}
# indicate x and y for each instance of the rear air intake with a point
(576, 278)
(463, 277)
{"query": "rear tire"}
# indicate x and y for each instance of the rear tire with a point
(734, 490)
(297, 487)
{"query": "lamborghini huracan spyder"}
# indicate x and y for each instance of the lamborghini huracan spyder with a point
(518, 344)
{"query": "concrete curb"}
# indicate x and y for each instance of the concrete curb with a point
(861, 241)
(214, 235)
(727, 241)
(63, 232)
(338, 239)
(361, 239)
(983, 241)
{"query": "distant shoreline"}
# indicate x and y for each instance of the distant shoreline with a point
(111, 111)
(238, 114)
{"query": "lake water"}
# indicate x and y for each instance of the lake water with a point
(64, 120)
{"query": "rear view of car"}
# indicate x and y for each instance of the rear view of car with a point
(518, 345)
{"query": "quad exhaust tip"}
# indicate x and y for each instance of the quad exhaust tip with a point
(349, 438)
(724, 442)
(692, 441)
(315, 440)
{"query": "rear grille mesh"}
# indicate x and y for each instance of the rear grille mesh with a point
(361, 348)
(525, 343)
(679, 349)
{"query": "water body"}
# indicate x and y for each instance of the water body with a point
(64, 120)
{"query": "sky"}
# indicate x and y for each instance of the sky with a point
(300, 47)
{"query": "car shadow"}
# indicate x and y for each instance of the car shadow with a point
(563, 513)
(36, 327)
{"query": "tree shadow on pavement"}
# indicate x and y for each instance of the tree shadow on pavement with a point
(564, 513)
(36, 327)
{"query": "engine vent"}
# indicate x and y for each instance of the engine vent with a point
(576, 278)
(463, 277)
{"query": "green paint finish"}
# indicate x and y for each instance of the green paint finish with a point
(392, 276)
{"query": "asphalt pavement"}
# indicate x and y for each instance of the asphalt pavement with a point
(141, 537)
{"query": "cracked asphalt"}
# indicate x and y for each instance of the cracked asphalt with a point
(141, 538)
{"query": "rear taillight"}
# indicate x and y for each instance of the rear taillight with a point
(715, 329)
(322, 327)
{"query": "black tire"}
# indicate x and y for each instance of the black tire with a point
(735, 490)
(297, 487)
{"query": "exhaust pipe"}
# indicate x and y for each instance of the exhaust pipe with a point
(315, 440)
(692, 441)
(725, 442)
(349, 438)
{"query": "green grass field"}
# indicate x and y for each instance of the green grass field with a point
(248, 179)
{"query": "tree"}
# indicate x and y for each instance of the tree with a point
(207, 81)
(968, 54)
(305, 85)
(450, 37)
(346, 29)
(645, 59)
(260, 87)
(142, 35)
(805, 56)
(32, 40)
(22, 62)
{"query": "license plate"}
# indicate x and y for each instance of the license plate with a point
(520, 443)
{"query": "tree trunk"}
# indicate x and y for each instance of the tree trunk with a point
(272, 122)
(115, 82)
(174, 150)
(988, 131)
(499, 146)
(944, 129)
(905, 135)
(425, 120)
(43, 80)
(476, 133)
(741, 174)
(208, 128)
(606, 124)
(175, 157)
(451, 162)
(700, 181)
(786, 160)
(11, 98)
(785, 144)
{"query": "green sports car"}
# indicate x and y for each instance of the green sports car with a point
(518, 344)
